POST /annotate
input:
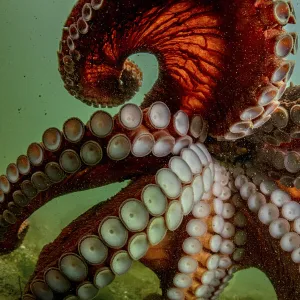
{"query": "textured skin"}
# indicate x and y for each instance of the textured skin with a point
(203, 48)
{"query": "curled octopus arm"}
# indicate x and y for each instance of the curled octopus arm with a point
(197, 209)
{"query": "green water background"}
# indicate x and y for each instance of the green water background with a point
(32, 100)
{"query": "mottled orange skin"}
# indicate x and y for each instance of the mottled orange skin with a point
(295, 193)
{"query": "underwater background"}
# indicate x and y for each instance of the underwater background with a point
(33, 99)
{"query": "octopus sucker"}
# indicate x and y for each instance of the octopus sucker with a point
(212, 153)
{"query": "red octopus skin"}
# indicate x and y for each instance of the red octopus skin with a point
(214, 57)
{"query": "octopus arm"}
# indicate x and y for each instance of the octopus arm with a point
(203, 49)
(82, 157)
(261, 251)
(84, 230)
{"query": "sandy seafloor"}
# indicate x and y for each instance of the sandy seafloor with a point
(32, 100)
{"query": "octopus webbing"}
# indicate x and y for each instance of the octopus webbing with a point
(212, 152)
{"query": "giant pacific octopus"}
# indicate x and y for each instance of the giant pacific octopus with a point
(212, 153)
